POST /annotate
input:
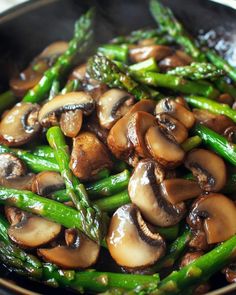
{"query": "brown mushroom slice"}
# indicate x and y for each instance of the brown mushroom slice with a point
(20, 124)
(33, 231)
(145, 193)
(178, 59)
(173, 127)
(218, 213)
(21, 86)
(53, 50)
(117, 139)
(230, 134)
(177, 190)
(176, 110)
(163, 147)
(113, 105)
(218, 123)
(11, 166)
(92, 125)
(14, 215)
(63, 103)
(208, 168)
(19, 182)
(71, 122)
(81, 252)
(138, 125)
(47, 182)
(141, 53)
(130, 241)
(79, 73)
(189, 257)
(89, 155)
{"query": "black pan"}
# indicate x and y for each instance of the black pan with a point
(28, 28)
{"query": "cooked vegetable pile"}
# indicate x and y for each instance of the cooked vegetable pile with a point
(117, 172)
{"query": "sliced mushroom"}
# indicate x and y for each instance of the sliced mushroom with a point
(72, 103)
(163, 147)
(177, 190)
(138, 125)
(11, 166)
(178, 59)
(89, 155)
(141, 53)
(226, 98)
(189, 257)
(20, 124)
(33, 74)
(79, 73)
(144, 192)
(117, 140)
(173, 127)
(113, 105)
(218, 213)
(208, 168)
(14, 215)
(230, 134)
(47, 182)
(19, 182)
(33, 231)
(218, 123)
(80, 252)
(130, 241)
(230, 273)
(92, 125)
(176, 110)
(71, 122)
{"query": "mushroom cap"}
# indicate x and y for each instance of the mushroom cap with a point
(173, 127)
(144, 192)
(208, 168)
(20, 124)
(81, 254)
(47, 182)
(218, 213)
(65, 102)
(89, 155)
(113, 105)
(163, 147)
(117, 140)
(11, 166)
(33, 231)
(141, 53)
(138, 125)
(130, 241)
(176, 110)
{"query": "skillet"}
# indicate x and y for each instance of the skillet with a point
(26, 29)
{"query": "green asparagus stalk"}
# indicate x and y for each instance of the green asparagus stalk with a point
(110, 204)
(148, 65)
(174, 252)
(217, 143)
(34, 163)
(115, 52)
(102, 69)
(177, 84)
(169, 24)
(7, 99)
(212, 106)
(44, 151)
(3, 230)
(224, 87)
(78, 45)
(89, 215)
(55, 89)
(191, 143)
(197, 71)
(72, 85)
(221, 63)
(199, 270)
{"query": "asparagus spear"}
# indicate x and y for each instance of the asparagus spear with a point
(34, 163)
(199, 270)
(44, 151)
(221, 63)
(191, 143)
(7, 99)
(101, 68)
(78, 45)
(217, 143)
(169, 24)
(224, 87)
(90, 215)
(72, 85)
(197, 71)
(148, 65)
(55, 89)
(114, 51)
(177, 84)
(212, 106)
